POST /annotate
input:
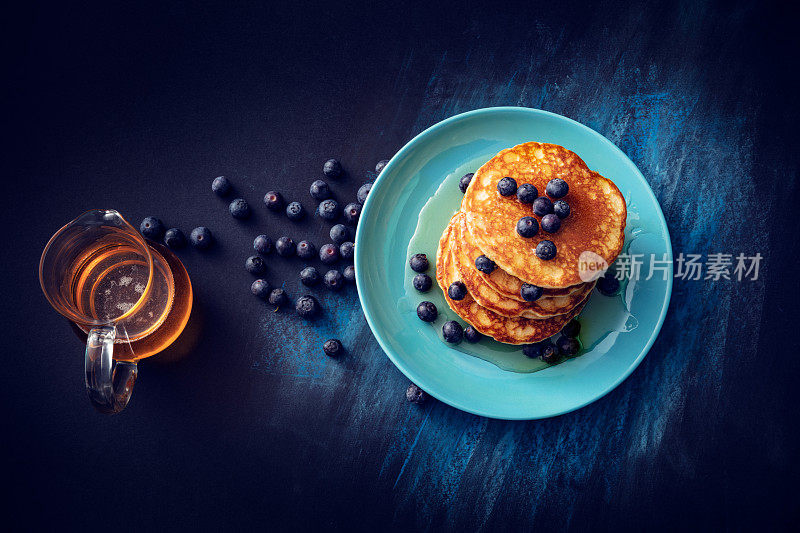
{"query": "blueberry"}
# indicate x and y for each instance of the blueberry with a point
(333, 348)
(263, 245)
(532, 350)
(328, 254)
(527, 193)
(152, 228)
(561, 209)
(427, 312)
(546, 250)
(273, 200)
(550, 353)
(339, 233)
(352, 212)
(572, 329)
(452, 331)
(255, 265)
(221, 186)
(328, 210)
(285, 247)
(567, 346)
(419, 262)
(608, 285)
(381, 164)
(201, 238)
(260, 289)
(527, 227)
(551, 223)
(307, 306)
(349, 274)
(556, 188)
(530, 293)
(416, 395)
(174, 238)
(363, 191)
(320, 190)
(507, 186)
(457, 290)
(346, 250)
(310, 277)
(464, 182)
(542, 206)
(422, 282)
(306, 250)
(484, 264)
(334, 280)
(278, 297)
(239, 209)
(295, 211)
(472, 335)
(332, 168)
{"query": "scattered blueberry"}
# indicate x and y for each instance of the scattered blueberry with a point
(201, 238)
(457, 290)
(333, 348)
(334, 280)
(527, 193)
(419, 262)
(567, 346)
(556, 188)
(221, 186)
(310, 277)
(561, 209)
(278, 297)
(550, 353)
(527, 227)
(255, 265)
(152, 228)
(263, 245)
(174, 238)
(363, 191)
(295, 211)
(381, 164)
(332, 168)
(273, 200)
(422, 282)
(608, 285)
(347, 250)
(551, 223)
(464, 182)
(306, 306)
(484, 264)
(546, 250)
(320, 190)
(427, 312)
(542, 206)
(532, 350)
(260, 289)
(239, 209)
(328, 254)
(306, 250)
(352, 212)
(572, 329)
(328, 209)
(530, 293)
(416, 395)
(339, 233)
(472, 335)
(349, 274)
(285, 247)
(453, 332)
(507, 186)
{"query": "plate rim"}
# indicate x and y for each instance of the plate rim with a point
(359, 260)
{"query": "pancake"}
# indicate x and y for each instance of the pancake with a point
(596, 223)
(486, 296)
(502, 329)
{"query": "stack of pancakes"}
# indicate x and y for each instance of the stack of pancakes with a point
(486, 225)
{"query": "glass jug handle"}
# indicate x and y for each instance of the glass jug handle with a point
(108, 382)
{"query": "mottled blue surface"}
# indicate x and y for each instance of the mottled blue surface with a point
(138, 109)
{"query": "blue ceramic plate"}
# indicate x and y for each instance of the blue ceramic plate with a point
(622, 335)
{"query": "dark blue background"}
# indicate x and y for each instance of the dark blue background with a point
(245, 422)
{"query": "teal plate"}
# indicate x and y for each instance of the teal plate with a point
(621, 331)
